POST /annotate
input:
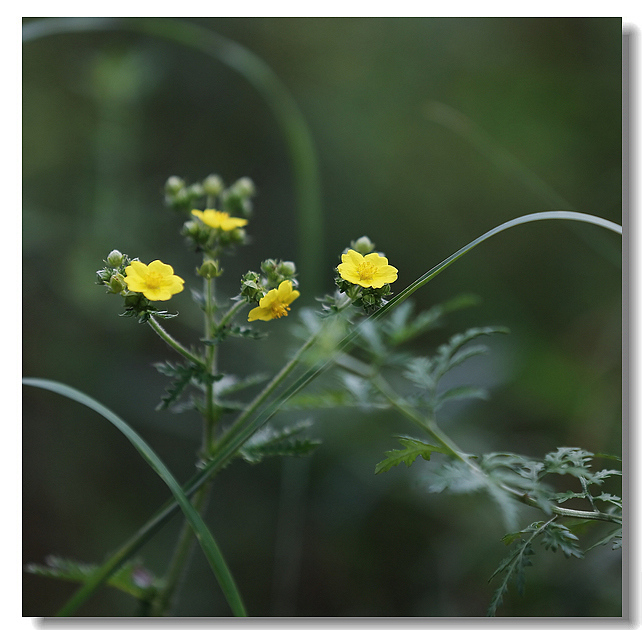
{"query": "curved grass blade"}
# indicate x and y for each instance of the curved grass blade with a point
(298, 137)
(203, 534)
(231, 442)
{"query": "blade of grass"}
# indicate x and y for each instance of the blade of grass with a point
(298, 137)
(232, 441)
(203, 534)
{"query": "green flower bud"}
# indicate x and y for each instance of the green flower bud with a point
(363, 245)
(103, 276)
(244, 187)
(269, 266)
(252, 288)
(210, 269)
(115, 258)
(117, 283)
(195, 191)
(212, 185)
(286, 268)
(173, 185)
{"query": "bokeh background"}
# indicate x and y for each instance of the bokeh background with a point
(428, 132)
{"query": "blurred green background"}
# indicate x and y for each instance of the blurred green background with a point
(428, 132)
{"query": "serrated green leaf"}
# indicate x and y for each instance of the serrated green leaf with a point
(615, 536)
(609, 498)
(401, 328)
(413, 448)
(182, 375)
(457, 477)
(270, 442)
(599, 476)
(514, 567)
(459, 393)
(557, 536)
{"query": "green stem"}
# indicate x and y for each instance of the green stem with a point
(231, 313)
(170, 341)
(163, 601)
(427, 424)
(211, 414)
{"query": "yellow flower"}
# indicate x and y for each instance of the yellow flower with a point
(371, 270)
(275, 304)
(220, 220)
(155, 281)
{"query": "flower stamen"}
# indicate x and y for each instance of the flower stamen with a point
(366, 270)
(279, 310)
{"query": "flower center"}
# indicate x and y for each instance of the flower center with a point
(366, 270)
(219, 216)
(279, 309)
(153, 280)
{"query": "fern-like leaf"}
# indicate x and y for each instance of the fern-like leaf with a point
(182, 375)
(413, 448)
(513, 568)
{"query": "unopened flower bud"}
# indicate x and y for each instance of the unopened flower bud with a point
(287, 268)
(210, 269)
(103, 276)
(115, 258)
(363, 245)
(212, 185)
(244, 187)
(173, 185)
(195, 190)
(252, 288)
(117, 283)
(269, 266)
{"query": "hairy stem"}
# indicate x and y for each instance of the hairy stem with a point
(211, 414)
(170, 341)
